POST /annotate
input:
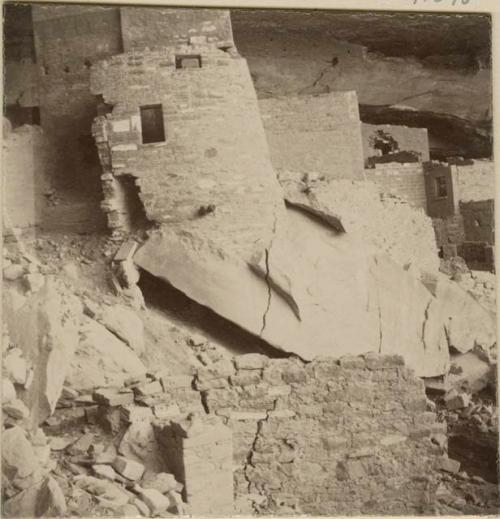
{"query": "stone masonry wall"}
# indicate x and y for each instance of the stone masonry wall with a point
(408, 139)
(479, 220)
(154, 27)
(330, 437)
(449, 232)
(320, 133)
(476, 181)
(199, 449)
(403, 180)
(214, 155)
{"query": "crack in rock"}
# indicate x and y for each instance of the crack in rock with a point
(424, 324)
(266, 279)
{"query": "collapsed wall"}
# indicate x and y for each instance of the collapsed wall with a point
(460, 200)
(405, 139)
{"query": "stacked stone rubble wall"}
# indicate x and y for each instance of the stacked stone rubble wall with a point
(328, 437)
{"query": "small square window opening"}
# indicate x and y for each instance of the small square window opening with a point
(188, 61)
(153, 129)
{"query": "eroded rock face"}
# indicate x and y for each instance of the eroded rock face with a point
(44, 327)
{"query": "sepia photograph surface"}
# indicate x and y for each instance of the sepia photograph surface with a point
(248, 262)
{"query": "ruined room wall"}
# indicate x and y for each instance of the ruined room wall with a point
(478, 248)
(440, 206)
(475, 181)
(403, 180)
(154, 27)
(27, 159)
(215, 152)
(479, 220)
(450, 234)
(315, 133)
(409, 139)
(330, 437)
(68, 39)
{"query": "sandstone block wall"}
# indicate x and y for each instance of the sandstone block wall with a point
(479, 221)
(319, 133)
(440, 206)
(330, 437)
(403, 180)
(154, 27)
(200, 451)
(475, 181)
(214, 154)
(408, 139)
(450, 233)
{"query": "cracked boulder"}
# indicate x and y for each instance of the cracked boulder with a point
(315, 292)
(44, 326)
(408, 326)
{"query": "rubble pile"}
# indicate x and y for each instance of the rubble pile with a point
(469, 486)
(28, 486)
(386, 223)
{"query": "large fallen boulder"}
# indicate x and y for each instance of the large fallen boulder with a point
(101, 359)
(466, 322)
(44, 326)
(316, 292)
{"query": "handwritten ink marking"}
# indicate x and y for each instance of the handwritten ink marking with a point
(453, 2)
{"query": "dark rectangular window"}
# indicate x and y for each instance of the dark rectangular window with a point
(441, 187)
(153, 129)
(188, 61)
